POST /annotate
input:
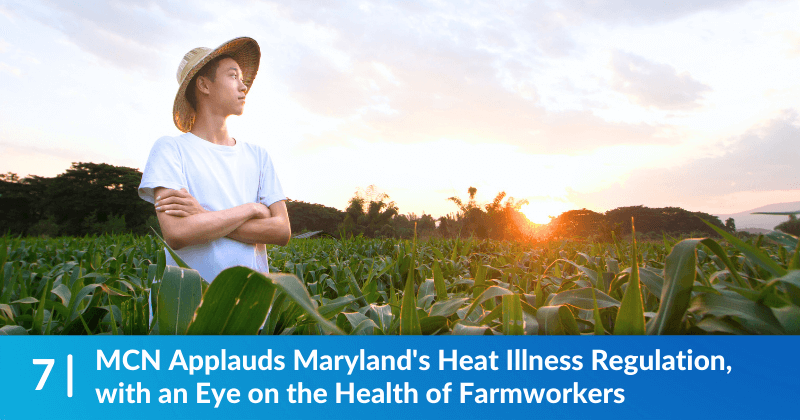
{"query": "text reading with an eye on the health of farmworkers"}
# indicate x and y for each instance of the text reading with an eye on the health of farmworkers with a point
(346, 378)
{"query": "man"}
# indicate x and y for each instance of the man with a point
(218, 199)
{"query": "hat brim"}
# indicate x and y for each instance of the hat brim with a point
(247, 54)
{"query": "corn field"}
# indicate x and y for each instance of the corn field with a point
(105, 285)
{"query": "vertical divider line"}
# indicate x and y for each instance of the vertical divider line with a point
(69, 375)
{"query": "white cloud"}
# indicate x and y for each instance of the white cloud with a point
(10, 69)
(762, 162)
(645, 11)
(654, 84)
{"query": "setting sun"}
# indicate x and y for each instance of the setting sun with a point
(539, 212)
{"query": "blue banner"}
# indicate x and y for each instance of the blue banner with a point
(116, 377)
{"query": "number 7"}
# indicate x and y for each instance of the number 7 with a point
(49, 363)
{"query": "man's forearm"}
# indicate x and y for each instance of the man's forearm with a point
(272, 230)
(204, 227)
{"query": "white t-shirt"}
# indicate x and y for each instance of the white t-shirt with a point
(219, 177)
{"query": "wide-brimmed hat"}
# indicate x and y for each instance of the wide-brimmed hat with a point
(244, 50)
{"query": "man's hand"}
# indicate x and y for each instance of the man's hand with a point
(179, 203)
(184, 222)
(262, 211)
(273, 229)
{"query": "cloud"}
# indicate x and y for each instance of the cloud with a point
(461, 76)
(655, 85)
(404, 72)
(433, 102)
(10, 69)
(762, 159)
(326, 90)
(644, 11)
(128, 34)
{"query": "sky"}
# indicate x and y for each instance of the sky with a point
(568, 104)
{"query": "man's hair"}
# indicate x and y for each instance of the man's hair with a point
(209, 71)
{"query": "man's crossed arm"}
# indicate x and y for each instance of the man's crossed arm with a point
(185, 222)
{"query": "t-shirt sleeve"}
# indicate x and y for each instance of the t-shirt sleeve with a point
(269, 187)
(163, 169)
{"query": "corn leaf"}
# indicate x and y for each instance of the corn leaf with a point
(598, 322)
(489, 293)
(409, 320)
(431, 325)
(236, 302)
(752, 253)
(480, 284)
(13, 330)
(297, 293)
(754, 316)
(556, 320)
(630, 318)
(178, 297)
(448, 307)
(679, 273)
(513, 322)
(584, 298)
(178, 260)
(438, 279)
(463, 328)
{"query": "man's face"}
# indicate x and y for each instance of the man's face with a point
(227, 91)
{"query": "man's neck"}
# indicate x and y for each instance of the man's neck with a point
(212, 128)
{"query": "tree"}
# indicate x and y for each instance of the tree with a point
(403, 225)
(107, 190)
(87, 198)
(497, 219)
(730, 224)
(576, 223)
(672, 220)
(469, 219)
(504, 220)
(312, 217)
(9, 177)
(18, 201)
(369, 214)
(791, 226)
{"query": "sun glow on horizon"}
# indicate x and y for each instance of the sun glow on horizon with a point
(539, 212)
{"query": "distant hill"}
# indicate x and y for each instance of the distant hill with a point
(746, 220)
(754, 231)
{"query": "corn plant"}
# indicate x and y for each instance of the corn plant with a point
(106, 284)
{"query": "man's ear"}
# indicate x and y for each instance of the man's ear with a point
(202, 85)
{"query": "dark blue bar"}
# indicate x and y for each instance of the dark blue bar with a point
(762, 380)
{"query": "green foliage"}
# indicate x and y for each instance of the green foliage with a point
(791, 226)
(630, 318)
(96, 199)
(577, 223)
(313, 217)
(651, 223)
(403, 225)
(152, 225)
(113, 224)
(369, 214)
(102, 285)
(496, 220)
(45, 227)
(89, 198)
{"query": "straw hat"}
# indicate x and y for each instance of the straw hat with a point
(244, 50)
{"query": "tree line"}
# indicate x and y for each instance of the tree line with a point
(97, 198)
